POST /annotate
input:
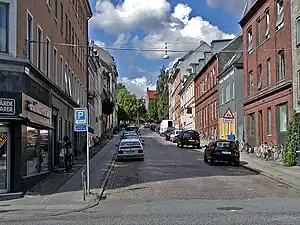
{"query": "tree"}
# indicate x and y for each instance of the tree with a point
(128, 104)
(291, 141)
(152, 113)
(162, 97)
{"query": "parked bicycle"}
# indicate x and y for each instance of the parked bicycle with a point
(263, 150)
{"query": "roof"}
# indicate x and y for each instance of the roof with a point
(151, 94)
(251, 7)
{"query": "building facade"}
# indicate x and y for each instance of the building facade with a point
(267, 66)
(231, 95)
(150, 96)
(42, 81)
(295, 27)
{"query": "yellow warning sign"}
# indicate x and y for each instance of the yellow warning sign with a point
(3, 139)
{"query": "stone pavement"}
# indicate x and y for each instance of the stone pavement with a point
(274, 170)
(68, 197)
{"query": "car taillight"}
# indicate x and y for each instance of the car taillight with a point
(120, 152)
(140, 151)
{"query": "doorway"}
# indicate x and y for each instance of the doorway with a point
(4, 159)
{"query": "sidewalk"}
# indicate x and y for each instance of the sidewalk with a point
(287, 175)
(69, 196)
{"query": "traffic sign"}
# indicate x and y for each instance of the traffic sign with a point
(80, 115)
(227, 121)
(80, 127)
(228, 114)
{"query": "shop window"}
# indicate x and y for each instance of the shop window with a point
(36, 153)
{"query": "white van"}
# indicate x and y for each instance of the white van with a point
(164, 125)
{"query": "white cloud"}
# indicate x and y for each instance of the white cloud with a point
(137, 86)
(235, 7)
(181, 31)
(121, 40)
(99, 43)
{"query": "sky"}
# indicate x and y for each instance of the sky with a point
(135, 33)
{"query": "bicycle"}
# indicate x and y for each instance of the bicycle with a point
(263, 150)
(278, 152)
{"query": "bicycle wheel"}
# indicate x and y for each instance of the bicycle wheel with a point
(259, 151)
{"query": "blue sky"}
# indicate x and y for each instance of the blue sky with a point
(148, 24)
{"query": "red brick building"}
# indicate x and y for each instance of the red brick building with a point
(206, 98)
(150, 95)
(267, 70)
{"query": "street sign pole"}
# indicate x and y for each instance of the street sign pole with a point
(81, 125)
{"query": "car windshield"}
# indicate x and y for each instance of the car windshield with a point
(226, 144)
(131, 136)
(177, 131)
(189, 134)
(131, 144)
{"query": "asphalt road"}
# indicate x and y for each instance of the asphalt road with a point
(174, 186)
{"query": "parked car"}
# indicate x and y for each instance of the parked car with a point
(168, 132)
(188, 138)
(174, 136)
(146, 126)
(133, 135)
(222, 150)
(130, 149)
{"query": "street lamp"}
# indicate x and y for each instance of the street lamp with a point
(166, 56)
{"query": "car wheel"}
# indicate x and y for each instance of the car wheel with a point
(236, 163)
(205, 158)
(211, 162)
(197, 146)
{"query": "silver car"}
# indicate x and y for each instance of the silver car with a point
(130, 149)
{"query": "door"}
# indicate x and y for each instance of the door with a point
(4, 159)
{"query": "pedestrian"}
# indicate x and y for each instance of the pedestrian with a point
(68, 153)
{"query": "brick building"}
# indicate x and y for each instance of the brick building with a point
(267, 69)
(43, 78)
(150, 95)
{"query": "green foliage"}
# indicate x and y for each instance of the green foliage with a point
(291, 140)
(162, 97)
(152, 114)
(129, 106)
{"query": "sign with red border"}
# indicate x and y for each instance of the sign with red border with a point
(228, 114)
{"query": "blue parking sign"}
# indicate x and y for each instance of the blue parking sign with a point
(80, 117)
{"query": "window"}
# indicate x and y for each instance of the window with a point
(227, 93)
(251, 125)
(61, 69)
(39, 48)
(279, 14)
(283, 117)
(250, 83)
(259, 77)
(216, 110)
(48, 56)
(3, 27)
(48, 2)
(269, 72)
(267, 34)
(55, 65)
(233, 90)
(65, 80)
(29, 35)
(66, 21)
(281, 66)
(55, 8)
(298, 31)
(36, 160)
(221, 96)
(61, 17)
(269, 122)
(250, 45)
(258, 32)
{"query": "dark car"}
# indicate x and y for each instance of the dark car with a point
(188, 138)
(132, 128)
(222, 150)
(168, 132)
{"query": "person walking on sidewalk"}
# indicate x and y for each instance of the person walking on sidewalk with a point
(68, 153)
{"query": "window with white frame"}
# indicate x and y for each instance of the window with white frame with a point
(55, 65)
(250, 40)
(48, 2)
(298, 31)
(4, 14)
(267, 34)
(29, 36)
(39, 48)
(61, 17)
(269, 122)
(61, 70)
(259, 77)
(269, 72)
(65, 79)
(227, 93)
(48, 56)
(281, 66)
(283, 117)
(258, 32)
(279, 14)
(250, 83)
(216, 109)
(55, 8)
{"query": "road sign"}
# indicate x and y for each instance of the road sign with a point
(80, 127)
(227, 121)
(80, 115)
(80, 118)
(228, 114)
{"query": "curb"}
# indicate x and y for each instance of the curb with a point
(291, 186)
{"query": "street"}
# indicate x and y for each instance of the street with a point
(175, 186)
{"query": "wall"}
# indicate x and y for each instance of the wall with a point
(12, 20)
